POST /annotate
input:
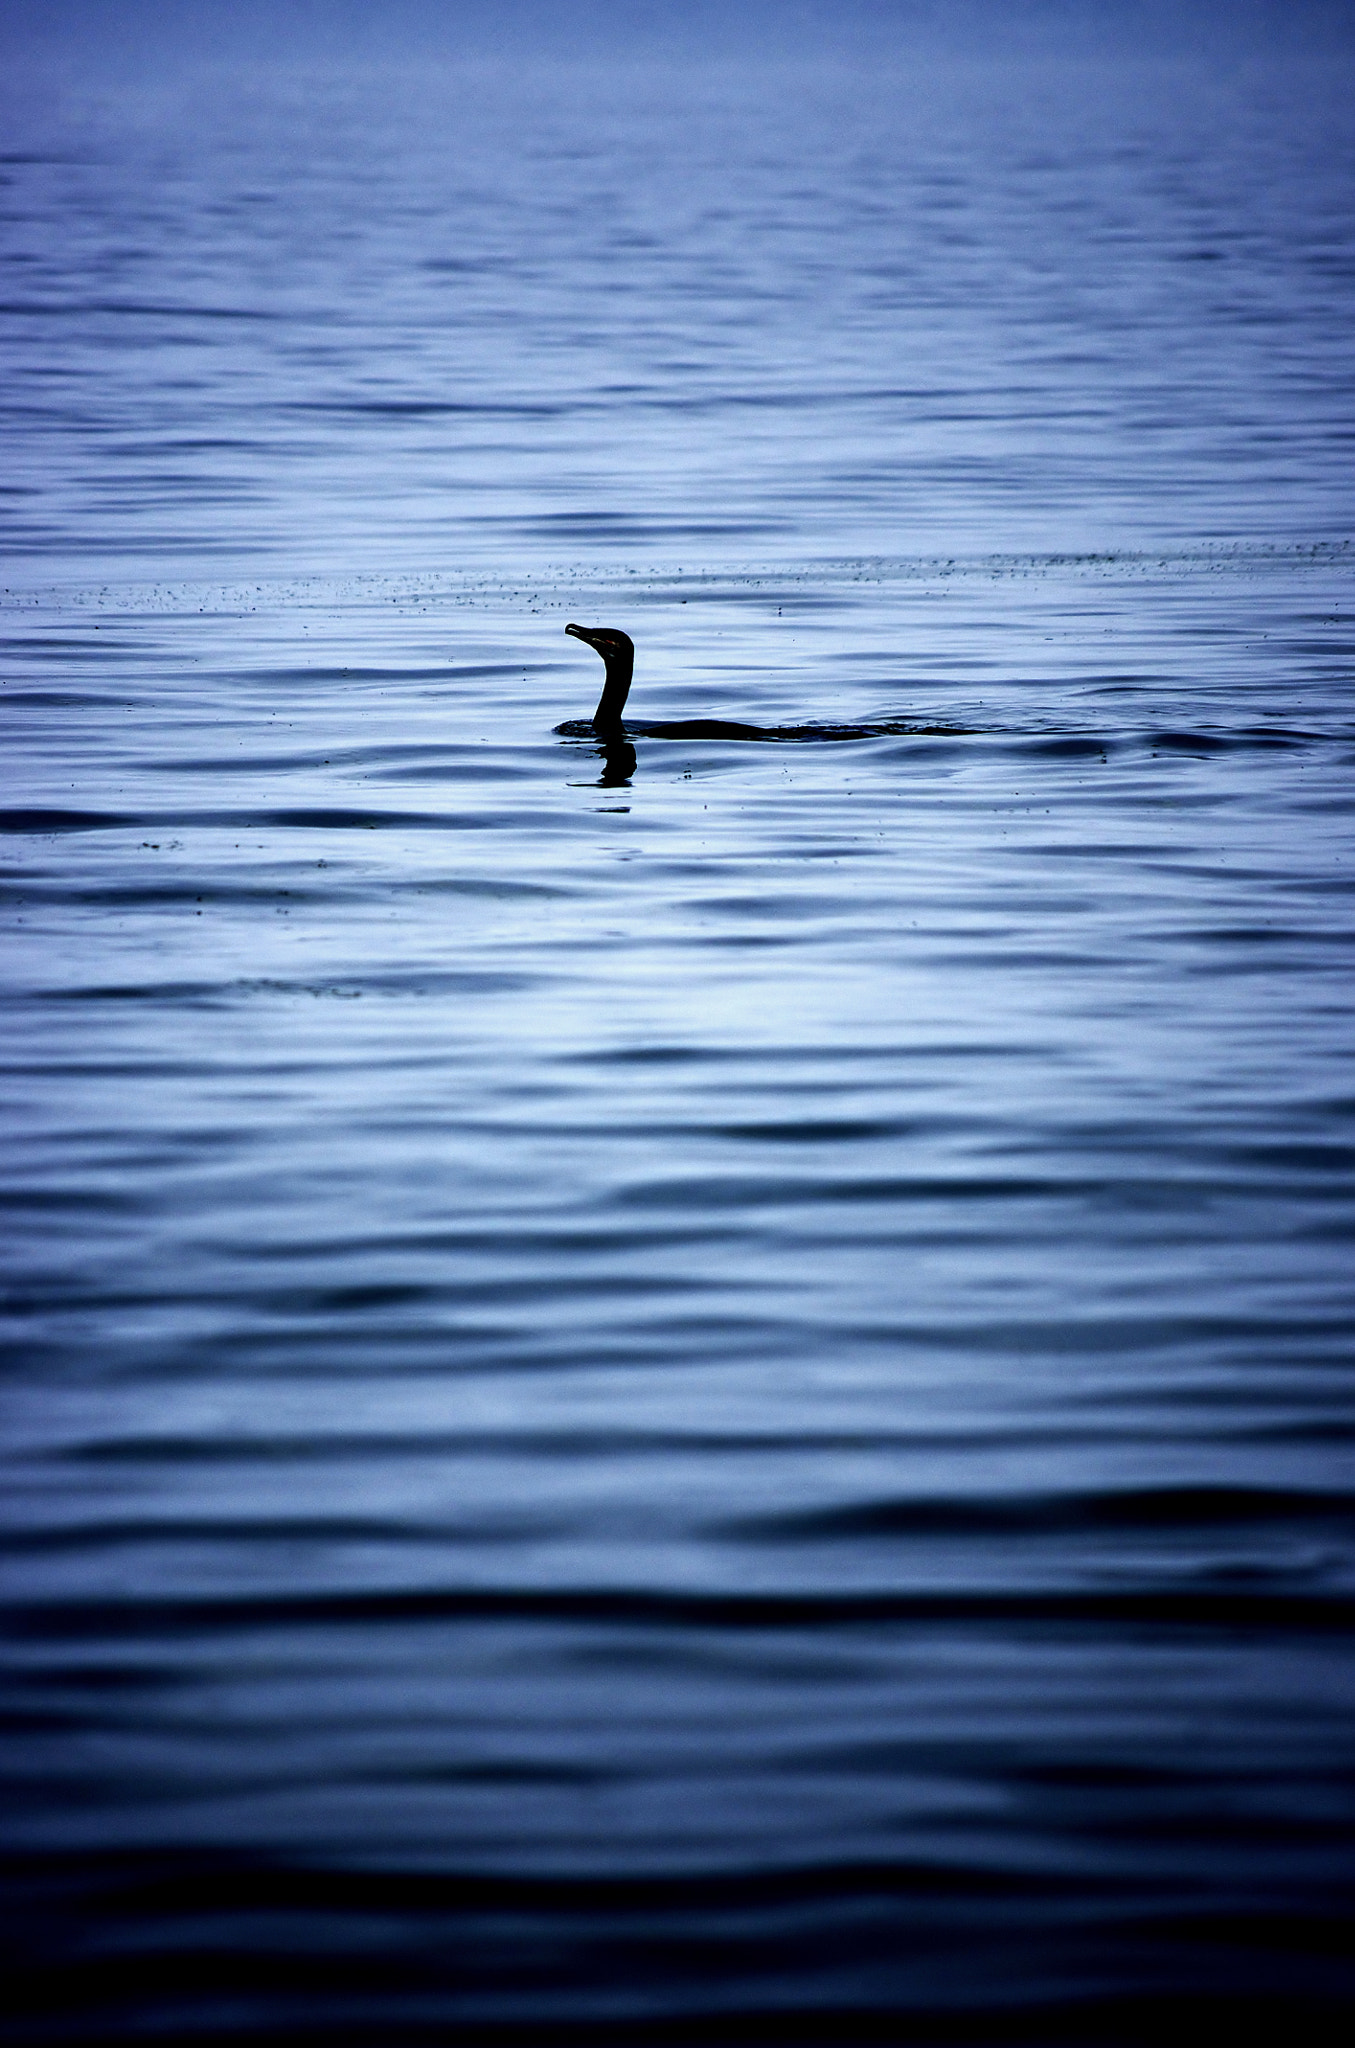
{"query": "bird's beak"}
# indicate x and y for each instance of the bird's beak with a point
(582, 633)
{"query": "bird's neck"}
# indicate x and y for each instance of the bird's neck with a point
(615, 690)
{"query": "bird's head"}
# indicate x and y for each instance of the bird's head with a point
(606, 641)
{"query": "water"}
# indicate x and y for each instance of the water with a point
(686, 1399)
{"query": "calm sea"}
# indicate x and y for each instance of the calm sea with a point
(714, 1402)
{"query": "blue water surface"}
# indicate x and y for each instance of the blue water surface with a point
(709, 1398)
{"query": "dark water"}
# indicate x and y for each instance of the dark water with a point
(713, 1402)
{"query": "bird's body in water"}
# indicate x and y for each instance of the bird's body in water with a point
(618, 654)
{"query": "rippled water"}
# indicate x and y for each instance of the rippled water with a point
(659, 1398)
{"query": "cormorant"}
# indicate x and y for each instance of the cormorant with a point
(618, 654)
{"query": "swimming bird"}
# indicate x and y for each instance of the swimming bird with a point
(618, 655)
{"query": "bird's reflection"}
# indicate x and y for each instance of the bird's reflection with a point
(618, 763)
